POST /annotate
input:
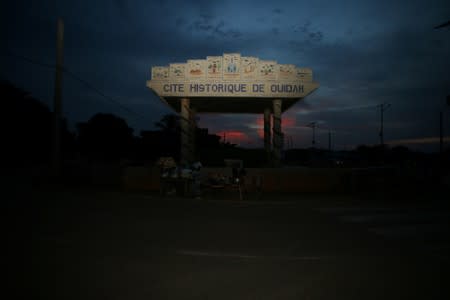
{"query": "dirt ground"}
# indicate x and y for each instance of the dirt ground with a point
(85, 243)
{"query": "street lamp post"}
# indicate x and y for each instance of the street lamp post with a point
(313, 126)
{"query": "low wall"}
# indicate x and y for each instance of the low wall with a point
(142, 178)
(269, 180)
(303, 180)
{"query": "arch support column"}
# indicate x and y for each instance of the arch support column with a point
(186, 135)
(193, 128)
(267, 135)
(277, 134)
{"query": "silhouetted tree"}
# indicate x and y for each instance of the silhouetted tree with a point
(372, 155)
(206, 140)
(399, 155)
(105, 137)
(169, 123)
(153, 144)
(27, 127)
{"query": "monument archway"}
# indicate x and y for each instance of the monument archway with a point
(231, 84)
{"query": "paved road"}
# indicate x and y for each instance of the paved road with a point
(421, 226)
(87, 244)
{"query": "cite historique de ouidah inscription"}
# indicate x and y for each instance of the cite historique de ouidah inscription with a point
(231, 75)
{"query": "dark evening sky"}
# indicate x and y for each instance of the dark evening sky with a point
(363, 53)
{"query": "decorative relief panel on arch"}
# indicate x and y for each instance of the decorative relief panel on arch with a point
(231, 66)
(177, 71)
(232, 75)
(214, 66)
(196, 69)
(160, 73)
(249, 67)
(286, 72)
(267, 70)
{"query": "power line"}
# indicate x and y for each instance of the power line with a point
(314, 126)
(93, 88)
(32, 61)
(79, 79)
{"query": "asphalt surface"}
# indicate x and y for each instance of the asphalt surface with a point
(103, 244)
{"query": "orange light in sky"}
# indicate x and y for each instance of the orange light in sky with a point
(234, 136)
(286, 122)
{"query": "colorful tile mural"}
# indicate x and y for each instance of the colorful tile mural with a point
(232, 67)
(249, 66)
(286, 72)
(214, 66)
(196, 68)
(177, 71)
(160, 73)
(267, 70)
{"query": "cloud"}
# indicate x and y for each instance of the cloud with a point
(203, 23)
(393, 57)
(302, 27)
(423, 140)
(305, 33)
(180, 22)
(277, 11)
(287, 123)
(305, 37)
(234, 136)
(392, 67)
(323, 109)
(213, 27)
(122, 6)
(261, 19)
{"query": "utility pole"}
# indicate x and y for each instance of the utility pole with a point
(291, 143)
(57, 104)
(313, 126)
(383, 108)
(441, 133)
(441, 127)
(329, 140)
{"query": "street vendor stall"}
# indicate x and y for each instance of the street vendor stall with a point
(174, 180)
